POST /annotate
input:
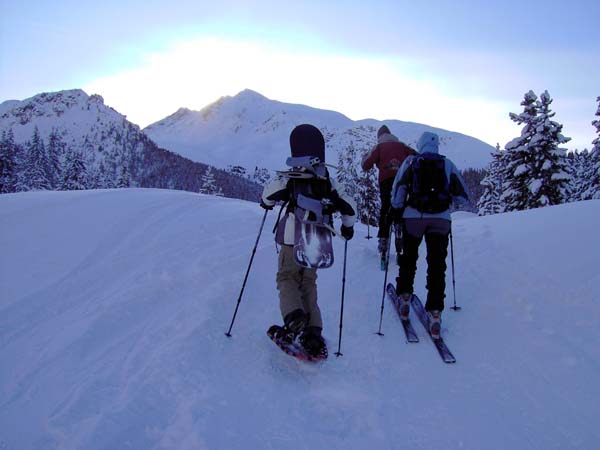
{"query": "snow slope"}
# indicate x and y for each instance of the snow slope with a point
(114, 304)
(251, 130)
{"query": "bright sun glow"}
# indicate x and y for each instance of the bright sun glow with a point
(195, 73)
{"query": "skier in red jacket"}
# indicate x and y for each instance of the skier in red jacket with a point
(388, 155)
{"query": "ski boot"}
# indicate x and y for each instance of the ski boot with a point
(435, 323)
(296, 321)
(404, 300)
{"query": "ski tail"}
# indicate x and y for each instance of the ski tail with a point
(439, 343)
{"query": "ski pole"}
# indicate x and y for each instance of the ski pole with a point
(387, 264)
(368, 199)
(455, 308)
(339, 353)
(228, 334)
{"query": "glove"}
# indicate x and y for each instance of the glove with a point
(265, 206)
(395, 215)
(347, 232)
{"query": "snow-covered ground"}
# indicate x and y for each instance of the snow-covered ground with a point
(114, 304)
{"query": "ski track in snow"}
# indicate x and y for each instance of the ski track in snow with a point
(114, 307)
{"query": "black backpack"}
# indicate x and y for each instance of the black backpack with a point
(429, 189)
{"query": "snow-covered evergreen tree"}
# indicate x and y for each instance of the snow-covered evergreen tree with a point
(577, 163)
(593, 187)
(36, 165)
(347, 174)
(516, 165)
(124, 180)
(8, 163)
(261, 175)
(237, 170)
(55, 152)
(75, 173)
(535, 171)
(207, 183)
(362, 187)
(489, 202)
(369, 201)
(549, 177)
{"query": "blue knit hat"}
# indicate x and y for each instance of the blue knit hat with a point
(428, 143)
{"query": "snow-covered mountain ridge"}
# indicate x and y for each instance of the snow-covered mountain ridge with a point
(74, 113)
(250, 130)
(114, 304)
(113, 151)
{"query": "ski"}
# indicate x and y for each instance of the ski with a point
(409, 331)
(440, 345)
(292, 349)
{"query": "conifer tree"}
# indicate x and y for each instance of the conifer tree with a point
(124, 180)
(578, 169)
(261, 175)
(75, 173)
(593, 192)
(516, 168)
(489, 202)
(55, 152)
(36, 165)
(535, 173)
(347, 174)
(237, 170)
(207, 182)
(549, 176)
(8, 163)
(369, 201)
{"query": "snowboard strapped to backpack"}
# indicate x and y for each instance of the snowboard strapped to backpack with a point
(309, 188)
(429, 189)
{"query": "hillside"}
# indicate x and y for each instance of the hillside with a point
(250, 130)
(71, 125)
(114, 304)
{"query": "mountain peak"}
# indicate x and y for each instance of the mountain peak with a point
(249, 94)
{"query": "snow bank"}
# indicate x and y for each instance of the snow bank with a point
(114, 304)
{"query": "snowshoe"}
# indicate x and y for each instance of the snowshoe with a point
(286, 341)
(281, 334)
(314, 345)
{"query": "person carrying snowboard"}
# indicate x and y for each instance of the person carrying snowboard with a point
(388, 155)
(423, 191)
(308, 183)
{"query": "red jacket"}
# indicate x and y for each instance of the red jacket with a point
(388, 155)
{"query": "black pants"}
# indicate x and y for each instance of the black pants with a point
(385, 191)
(436, 233)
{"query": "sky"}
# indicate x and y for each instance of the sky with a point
(462, 66)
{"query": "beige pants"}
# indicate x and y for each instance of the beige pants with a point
(297, 287)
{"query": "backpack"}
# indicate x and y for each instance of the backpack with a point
(429, 189)
(309, 190)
